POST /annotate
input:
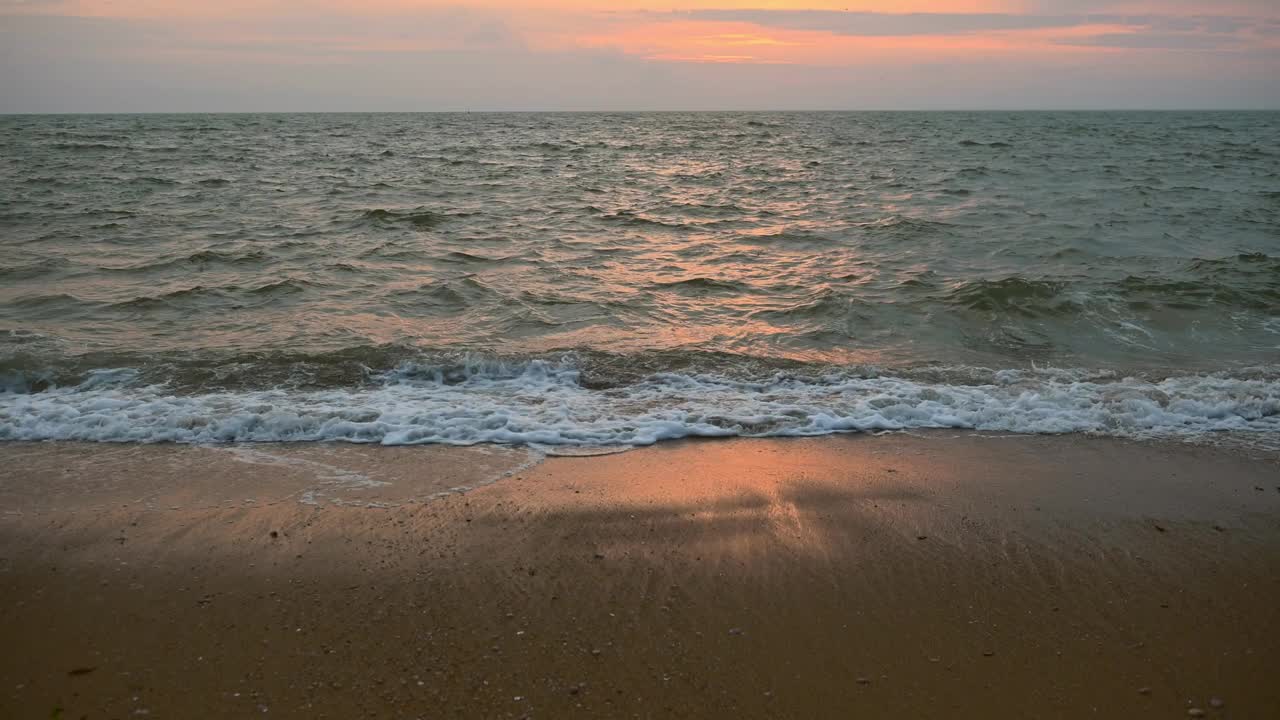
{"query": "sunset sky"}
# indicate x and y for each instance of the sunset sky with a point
(247, 55)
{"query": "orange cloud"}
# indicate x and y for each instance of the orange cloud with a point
(775, 32)
(247, 9)
(737, 42)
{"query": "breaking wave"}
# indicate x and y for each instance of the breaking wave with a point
(485, 400)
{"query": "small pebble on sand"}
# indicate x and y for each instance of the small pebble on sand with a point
(1195, 712)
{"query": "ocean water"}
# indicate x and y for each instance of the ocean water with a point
(618, 279)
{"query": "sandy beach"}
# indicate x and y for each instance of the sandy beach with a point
(939, 575)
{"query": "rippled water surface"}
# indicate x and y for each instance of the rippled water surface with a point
(206, 259)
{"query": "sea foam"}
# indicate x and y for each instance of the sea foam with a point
(543, 402)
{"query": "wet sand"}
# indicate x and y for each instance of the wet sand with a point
(895, 576)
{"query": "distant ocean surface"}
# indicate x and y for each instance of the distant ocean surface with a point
(618, 279)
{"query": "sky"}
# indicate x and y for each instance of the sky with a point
(428, 55)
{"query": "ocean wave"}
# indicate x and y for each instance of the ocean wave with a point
(486, 400)
(626, 217)
(901, 226)
(1013, 294)
(1194, 294)
(699, 285)
(85, 146)
(818, 305)
(33, 363)
(43, 300)
(35, 269)
(199, 260)
(459, 293)
(796, 238)
(417, 218)
(226, 293)
(463, 257)
(1249, 281)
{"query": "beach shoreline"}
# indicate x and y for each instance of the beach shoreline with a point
(936, 574)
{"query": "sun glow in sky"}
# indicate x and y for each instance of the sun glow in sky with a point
(114, 55)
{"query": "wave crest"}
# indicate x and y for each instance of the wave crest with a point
(483, 399)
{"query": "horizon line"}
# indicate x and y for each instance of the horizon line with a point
(485, 111)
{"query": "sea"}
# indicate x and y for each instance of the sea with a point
(616, 279)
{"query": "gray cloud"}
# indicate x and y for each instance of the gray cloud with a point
(868, 24)
(1253, 8)
(1160, 41)
(28, 5)
(879, 24)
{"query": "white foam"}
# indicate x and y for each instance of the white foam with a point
(543, 403)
